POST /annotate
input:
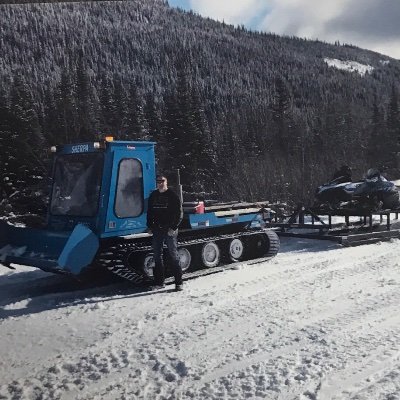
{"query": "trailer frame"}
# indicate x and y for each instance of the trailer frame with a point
(309, 223)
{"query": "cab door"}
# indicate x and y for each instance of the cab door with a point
(131, 182)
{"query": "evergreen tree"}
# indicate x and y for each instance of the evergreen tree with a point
(28, 150)
(63, 124)
(167, 141)
(281, 115)
(107, 108)
(191, 149)
(152, 117)
(203, 148)
(83, 89)
(9, 162)
(377, 140)
(392, 154)
(227, 151)
(136, 123)
(49, 116)
(120, 107)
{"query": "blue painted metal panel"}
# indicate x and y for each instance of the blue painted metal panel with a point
(88, 147)
(67, 223)
(28, 246)
(79, 251)
(144, 153)
(48, 250)
(206, 220)
(105, 190)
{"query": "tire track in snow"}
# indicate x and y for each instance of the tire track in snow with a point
(180, 335)
(395, 301)
(316, 328)
(360, 376)
(294, 364)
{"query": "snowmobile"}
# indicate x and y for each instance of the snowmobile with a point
(374, 193)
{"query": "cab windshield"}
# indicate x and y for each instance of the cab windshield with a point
(76, 184)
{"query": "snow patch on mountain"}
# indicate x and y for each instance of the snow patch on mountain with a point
(351, 66)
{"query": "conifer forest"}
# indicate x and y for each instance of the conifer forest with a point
(242, 114)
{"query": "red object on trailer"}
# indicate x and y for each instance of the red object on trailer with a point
(199, 208)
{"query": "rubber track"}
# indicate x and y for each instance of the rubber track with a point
(274, 243)
(114, 257)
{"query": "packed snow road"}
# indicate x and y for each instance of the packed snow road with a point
(316, 322)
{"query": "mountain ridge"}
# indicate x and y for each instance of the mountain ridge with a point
(91, 68)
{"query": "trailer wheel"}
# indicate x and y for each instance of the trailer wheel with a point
(210, 255)
(185, 258)
(236, 249)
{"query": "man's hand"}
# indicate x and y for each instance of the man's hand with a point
(172, 232)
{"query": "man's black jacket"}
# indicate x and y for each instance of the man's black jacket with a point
(164, 210)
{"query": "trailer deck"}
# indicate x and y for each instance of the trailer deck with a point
(346, 227)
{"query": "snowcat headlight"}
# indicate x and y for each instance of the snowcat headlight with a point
(96, 145)
(53, 149)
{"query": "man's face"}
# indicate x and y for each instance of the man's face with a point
(162, 183)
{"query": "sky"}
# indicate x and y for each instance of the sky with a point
(369, 24)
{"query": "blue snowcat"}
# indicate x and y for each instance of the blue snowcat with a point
(97, 219)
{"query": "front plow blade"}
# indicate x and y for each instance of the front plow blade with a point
(63, 252)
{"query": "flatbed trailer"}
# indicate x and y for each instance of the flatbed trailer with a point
(346, 227)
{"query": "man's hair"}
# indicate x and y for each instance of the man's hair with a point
(159, 176)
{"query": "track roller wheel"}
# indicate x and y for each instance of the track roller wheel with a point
(236, 249)
(147, 265)
(210, 255)
(185, 258)
(142, 264)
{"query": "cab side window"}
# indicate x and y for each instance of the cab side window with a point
(129, 201)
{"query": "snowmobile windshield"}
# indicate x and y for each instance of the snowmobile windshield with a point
(76, 184)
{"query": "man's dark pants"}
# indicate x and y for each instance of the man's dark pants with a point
(159, 238)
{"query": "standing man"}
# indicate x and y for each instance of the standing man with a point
(164, 215)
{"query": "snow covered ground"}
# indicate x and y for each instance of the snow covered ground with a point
(317, 322)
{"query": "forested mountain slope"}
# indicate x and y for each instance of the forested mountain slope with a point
(243, 114)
